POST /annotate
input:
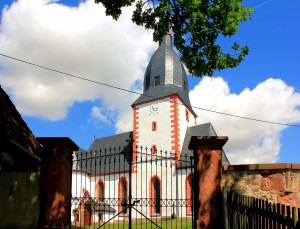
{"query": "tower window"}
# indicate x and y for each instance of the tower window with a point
(156, 80)
(153, 149)
(187, 115)
(184, 86)
(154, 127)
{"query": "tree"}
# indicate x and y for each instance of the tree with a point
(196, 26)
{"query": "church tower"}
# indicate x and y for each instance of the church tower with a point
(163, 112)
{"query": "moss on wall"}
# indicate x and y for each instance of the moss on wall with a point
(19, 200)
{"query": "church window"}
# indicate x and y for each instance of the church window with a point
(156, 80)
(187, 115)
(153, 149)
(184, 86)
(100, 190)
(155, 191)
(123, 195)
(154, 127)
(189, 189)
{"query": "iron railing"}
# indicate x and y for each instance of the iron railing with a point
(124, 188)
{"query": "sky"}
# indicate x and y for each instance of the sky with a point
(77, 38)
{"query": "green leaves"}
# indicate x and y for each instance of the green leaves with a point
(114, 7)
(196, 24)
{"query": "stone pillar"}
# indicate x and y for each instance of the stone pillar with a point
(56, 181)
(208, 199)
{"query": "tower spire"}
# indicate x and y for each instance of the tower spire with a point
(165, 75)
(167, 39)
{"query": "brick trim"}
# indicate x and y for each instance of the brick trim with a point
(135, 136)
(175, 131)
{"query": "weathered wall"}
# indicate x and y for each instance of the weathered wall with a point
(277, 183)
(19, 200)
(56, 172)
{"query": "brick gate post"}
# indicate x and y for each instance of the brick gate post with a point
(208, 199)
(56, 181)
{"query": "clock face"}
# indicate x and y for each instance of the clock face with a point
(153, 109)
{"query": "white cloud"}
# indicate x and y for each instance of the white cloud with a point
(98, 114)
(249, 141)
(78, 40)
(83, 41)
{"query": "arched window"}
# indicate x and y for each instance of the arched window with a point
(155, 192)
(100, 190)
(123, 194)
(189, 189)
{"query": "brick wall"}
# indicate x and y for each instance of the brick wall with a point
(277, 183)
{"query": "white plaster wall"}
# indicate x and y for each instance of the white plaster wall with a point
(111, 189)
(79, 181)
(162, 136)
(170, 189)
(111, 183)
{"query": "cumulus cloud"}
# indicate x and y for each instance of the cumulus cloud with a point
(78, 40)
(98, 114)
(83, 41)
(249, 141)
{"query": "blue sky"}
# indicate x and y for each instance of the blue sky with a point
(80, 40)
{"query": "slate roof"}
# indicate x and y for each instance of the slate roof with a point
(165, 64)
(206, 129)
(113, 142)
(108, 155)
(15, 135)
(112, 153)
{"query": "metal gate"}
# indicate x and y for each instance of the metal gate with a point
(125, 188)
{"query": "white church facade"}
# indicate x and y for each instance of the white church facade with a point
(150, 165)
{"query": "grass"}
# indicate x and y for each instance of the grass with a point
(169, 224)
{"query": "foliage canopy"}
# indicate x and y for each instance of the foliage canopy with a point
(196, 26)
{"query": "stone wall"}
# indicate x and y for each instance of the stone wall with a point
(19, 200)
(277, 183)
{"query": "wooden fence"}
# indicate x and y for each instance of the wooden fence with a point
(244, 212)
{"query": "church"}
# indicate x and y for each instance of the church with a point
(150, 168)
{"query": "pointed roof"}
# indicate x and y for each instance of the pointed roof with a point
(205, 129)
(165, 75)
(14, 133)
(111, 150)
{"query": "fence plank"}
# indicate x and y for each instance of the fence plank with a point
(248, 212)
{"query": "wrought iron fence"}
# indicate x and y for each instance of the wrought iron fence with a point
(124, 188)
